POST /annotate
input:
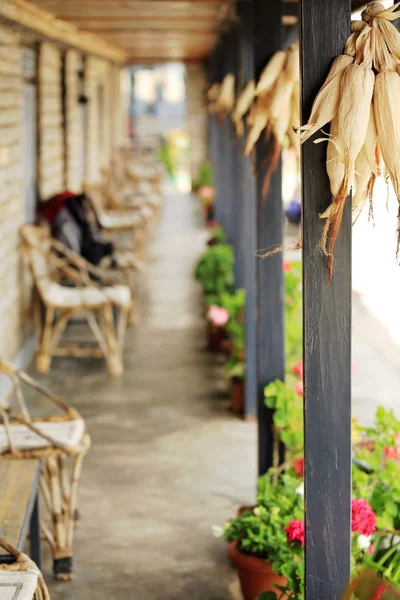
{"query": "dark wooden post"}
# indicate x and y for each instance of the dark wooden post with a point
(213, 137)
(248, 215)
(236, 161)
(224, 142)
(327, 331)
(268, 35)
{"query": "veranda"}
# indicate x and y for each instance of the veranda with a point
(76, 69)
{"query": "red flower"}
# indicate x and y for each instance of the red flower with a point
(298, 369)
(287, 267)
(212, 224)
(379, 594)
(363, 519)
(299, 388)
(298, 467)
(391, 453)
(295, 532)
(368, 445)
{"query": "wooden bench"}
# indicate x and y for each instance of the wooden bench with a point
(19, 506)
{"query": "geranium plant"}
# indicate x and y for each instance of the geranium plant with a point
(215, 270)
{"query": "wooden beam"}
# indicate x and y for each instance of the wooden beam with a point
(32, 18)
(271, 353)
(325, 27)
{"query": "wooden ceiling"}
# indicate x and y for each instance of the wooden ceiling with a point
(152, 31)
(148, 30)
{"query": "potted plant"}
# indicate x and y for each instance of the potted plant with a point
(205, 176)
(255, 536)
(217, 317)
(207, 195)
(236, 371)
(218, 235)
(214, 270)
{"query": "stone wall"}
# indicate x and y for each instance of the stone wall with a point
(11, 194)
(98, 121)
(51, 167)
(74, 144)
(196, 89)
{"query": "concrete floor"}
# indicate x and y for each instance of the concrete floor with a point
(168, 460)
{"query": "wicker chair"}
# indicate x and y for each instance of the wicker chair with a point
(116, 220)
(61, 442)
(66, 285)
(22, 579)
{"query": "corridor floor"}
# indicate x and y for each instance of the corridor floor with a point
(168, 460)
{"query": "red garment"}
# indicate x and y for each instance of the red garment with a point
(50, 209)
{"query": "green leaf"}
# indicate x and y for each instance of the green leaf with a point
(267, 596)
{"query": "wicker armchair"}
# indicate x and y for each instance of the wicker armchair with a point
(115, 219)
(22, 579)
(66, 285)
(61, 442)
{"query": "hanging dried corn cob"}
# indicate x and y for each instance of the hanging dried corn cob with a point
(277, 106)
(363, 111)
(226, 97)
(212, 96)
(274, 105)
(243, 104)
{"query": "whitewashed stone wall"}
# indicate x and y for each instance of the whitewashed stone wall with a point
(11, 194)
(74, 123)
(98, 150)
(196, 89)
(51, 167)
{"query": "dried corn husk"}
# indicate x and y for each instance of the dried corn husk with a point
(226, 98)
(365, 180)
(364, 139)
(271, 73)
(295, 118)
(334, 166)
(326, 103)
(371, 143)
(243, 104)
(386, 99)
(212, 96)
(352, 123)
(259, 122)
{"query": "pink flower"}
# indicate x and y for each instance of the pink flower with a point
(287, 267)
(206, 192)
(391, 453)
(298, 369)
(363, 519)
(295, 531)
(371, 549)
(299, 388)
(217, 315)
(298, 467)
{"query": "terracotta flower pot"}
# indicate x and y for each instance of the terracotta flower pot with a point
(255, 575)
(215, 339)
(237, 393)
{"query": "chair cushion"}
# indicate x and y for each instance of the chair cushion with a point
(61, 296)
(18, 585)
(68, 433)
(110, 219)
